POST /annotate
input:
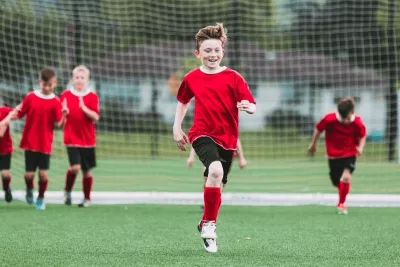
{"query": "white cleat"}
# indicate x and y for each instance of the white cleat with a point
(208, 231)
(85, 204)
(210, 245)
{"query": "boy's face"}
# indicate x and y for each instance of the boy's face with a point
(80, 79)
(210, 53)
(47, 87)
(348, 119)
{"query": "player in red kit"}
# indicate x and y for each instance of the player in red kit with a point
(219, 93)
(42, 109)
(344, 139)
(82, 106)
(6, 148)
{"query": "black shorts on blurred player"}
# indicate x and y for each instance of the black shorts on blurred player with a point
(208, 151)
(35, 159)
(84, 156)
(337, 167)
(5, 161)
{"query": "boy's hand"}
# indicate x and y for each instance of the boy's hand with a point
(359, 151)
(18, 107)
(65, 109)
(245, 105)
(312, 148)
(81, 103)
(242, 163)
(190, 161)
(180, 138)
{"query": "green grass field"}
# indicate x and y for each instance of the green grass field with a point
(165, 235)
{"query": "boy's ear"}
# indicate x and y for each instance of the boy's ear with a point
(197, 53)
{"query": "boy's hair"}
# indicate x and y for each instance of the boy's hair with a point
(211, 32)
(47, 74)
(346, 106)
(81, 68)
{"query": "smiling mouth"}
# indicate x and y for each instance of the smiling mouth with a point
(213, 61)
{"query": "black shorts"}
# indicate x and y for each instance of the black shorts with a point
(337, 167)
(208, 151)
(84, 156)
(5, 161)
(34, 160)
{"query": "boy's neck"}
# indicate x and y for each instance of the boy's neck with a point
(213, 71)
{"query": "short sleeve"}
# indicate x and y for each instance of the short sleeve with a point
(184, 93)
(361, 129)
(322, 124)
(94, 104)
(243, 90)
(25, 106)
(58, 110)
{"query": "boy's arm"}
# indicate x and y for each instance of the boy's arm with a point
(179, 136)
(240, 152)
(6, 121)
(190, 159)
(313, 146)
(93, 115)
(361, 145)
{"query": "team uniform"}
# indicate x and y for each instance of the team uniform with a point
(341, 142)
(214, 133)
(42, 112)
(6, 148)
(80, 135)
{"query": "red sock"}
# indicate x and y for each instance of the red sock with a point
(42, 187)
(6, 182)
(69, 181)
(87, 186)
(29, 182)
(344, 189)
(212, 201)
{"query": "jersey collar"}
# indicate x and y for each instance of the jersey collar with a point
(79, 93)
(38, 93)
(204, 70)
(339, 118)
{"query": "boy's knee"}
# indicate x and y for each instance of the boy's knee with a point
(42, 175)
(346, 176)
(5, 173)
(75, 168)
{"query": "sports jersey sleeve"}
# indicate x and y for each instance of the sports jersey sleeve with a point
(25, 107)
(243, 90)
(322, 124)
(361, 129)
(58, 112)
(184, 93)
(94, 104)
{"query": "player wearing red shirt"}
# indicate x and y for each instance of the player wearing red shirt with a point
(219, 93)
(6, 148)
(82, 106)
(42, 109)
(344, 140)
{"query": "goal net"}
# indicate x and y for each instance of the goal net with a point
(299, 57)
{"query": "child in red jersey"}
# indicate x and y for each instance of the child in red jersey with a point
(82, 106)
(219, 93)
(344, 139)
(6, 148)
(42, 109)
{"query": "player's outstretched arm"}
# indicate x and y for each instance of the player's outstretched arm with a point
(179, 136)
(312, 148)
(245, 105)
(361, 145)
(90, 113)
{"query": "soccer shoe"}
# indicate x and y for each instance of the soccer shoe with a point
(8, 195)
(342, 209)
(210, 245)
(67, 198)
(40, 204)
(29, 196)
(85, 204)
(208, 231)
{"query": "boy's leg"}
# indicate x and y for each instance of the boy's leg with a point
(88, 156)
(44, 165)
(31, 163)
(5, 163)
(70, 177)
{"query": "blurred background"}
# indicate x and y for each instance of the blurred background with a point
(298, 56)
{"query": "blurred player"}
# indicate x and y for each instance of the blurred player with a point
(344, 139)
(219, 93)
(82, 106)
(6, 148)
(242, 164)
(42, 109)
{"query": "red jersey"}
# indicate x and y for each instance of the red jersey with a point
(6, 146)
(41, 111)
(79, 129)
(215, 112)
(341, 139)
